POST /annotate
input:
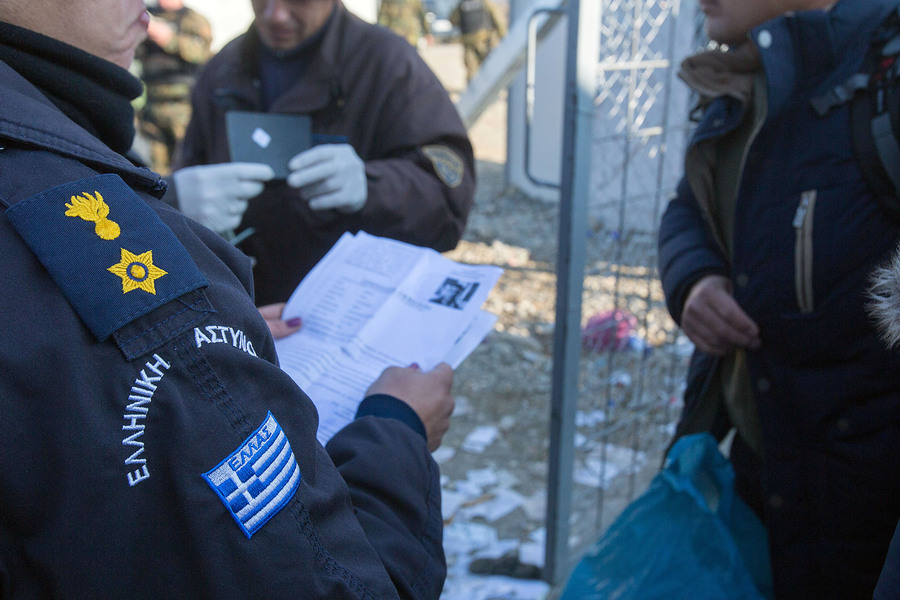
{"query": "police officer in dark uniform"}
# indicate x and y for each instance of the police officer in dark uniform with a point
(152, 448)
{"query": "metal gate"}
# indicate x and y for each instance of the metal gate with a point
(610, 362)
(619, 360)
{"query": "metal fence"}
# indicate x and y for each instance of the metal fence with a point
(618, 377)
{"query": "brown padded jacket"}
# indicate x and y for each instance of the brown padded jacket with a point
(366, 86)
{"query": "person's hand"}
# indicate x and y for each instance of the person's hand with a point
(330, 176)
(428, 393)
(272, 314)
(216, 195)
(714, 321)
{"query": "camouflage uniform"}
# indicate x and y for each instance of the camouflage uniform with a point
(406, 18)
(481, 28)
(168, 74)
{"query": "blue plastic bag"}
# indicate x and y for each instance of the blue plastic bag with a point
(687, 536)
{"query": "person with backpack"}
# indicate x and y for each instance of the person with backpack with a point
(481, 27)
(765, 256)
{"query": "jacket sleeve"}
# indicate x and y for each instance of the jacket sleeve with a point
(395, 489)
(687, 250)
(421, 166)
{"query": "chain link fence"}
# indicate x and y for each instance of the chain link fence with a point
(633, 358)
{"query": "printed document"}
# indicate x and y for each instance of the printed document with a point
(371, 303)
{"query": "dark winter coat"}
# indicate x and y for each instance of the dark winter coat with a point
(806, 235)
(152, 448)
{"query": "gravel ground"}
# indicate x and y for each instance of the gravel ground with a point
(503, 392)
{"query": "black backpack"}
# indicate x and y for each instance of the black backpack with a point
(875, 113)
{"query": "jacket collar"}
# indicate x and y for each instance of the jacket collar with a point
(27, 117)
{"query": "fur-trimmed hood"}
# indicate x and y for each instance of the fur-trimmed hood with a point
(884, 304)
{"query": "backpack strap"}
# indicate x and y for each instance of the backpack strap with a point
(840, 94)
(874, 97)
(875, 117)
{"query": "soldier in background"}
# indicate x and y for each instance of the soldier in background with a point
(481, 28)
(406, 18)
(177, 45)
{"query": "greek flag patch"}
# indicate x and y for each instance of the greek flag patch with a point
(258, 478)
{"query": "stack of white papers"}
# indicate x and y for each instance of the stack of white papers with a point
(372, 303)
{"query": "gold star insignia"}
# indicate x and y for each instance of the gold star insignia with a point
(137, 271)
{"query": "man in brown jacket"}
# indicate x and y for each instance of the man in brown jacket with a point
(390, 154)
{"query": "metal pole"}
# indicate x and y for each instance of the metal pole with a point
(581, 67)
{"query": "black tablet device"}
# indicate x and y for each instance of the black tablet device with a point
(268, 138)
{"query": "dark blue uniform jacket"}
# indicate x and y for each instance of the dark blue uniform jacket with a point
(807, 235)
(150, 447)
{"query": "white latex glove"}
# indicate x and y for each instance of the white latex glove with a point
(330, 176)
(216, 195)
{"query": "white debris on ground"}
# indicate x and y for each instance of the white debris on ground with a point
(470, 507)
(495, 458)
(477, 500)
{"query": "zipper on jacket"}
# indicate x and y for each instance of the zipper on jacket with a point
(803, 251)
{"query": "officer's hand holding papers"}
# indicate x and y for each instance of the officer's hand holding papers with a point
(372, 303)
